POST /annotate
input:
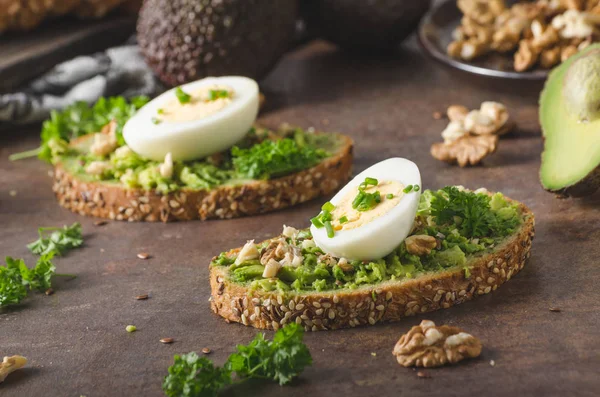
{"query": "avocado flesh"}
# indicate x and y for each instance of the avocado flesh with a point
(571, 156)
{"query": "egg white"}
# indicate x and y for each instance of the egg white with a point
(191, 140)
(382, 235)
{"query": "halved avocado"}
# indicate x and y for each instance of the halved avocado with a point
(570, 120)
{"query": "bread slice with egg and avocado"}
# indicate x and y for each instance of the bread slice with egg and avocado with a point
(212, 188)
(346, 294)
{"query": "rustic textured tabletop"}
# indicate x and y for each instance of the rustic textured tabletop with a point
(75, 339)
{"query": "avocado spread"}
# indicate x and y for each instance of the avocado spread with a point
(263, 154)
(465, 224)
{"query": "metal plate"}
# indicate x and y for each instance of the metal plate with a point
(435, 33)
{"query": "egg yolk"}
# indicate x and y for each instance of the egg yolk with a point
(203, 102)
(391, 192)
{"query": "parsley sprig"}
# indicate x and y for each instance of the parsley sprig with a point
(16, 279)
(366, 201)
(59, 241)
(279, 360)
(80, 119)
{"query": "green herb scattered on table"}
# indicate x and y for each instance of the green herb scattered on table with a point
(279, 360)
(60, 240)
(16, 279)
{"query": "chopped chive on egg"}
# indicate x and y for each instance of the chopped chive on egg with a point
(359, 234)
(213, 95)
(182, 96)
(389, 196)
(160, 111)
(328, 207)
(156, 120)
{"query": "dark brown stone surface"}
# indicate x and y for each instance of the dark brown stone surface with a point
(76, 341)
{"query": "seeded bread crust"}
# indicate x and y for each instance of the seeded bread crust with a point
(112, 201)
(385, 302)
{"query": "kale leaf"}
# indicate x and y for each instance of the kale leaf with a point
(270, 159)
(280, 360)
(59, 241)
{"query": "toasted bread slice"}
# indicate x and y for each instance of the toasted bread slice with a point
(87, 196)
(370, 304)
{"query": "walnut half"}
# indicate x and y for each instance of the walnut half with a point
(426, 345)
(468, 150)
(11, 364)
(420, 244)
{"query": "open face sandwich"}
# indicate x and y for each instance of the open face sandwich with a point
(194, 152)
(364, 261)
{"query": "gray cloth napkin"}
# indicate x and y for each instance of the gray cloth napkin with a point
(116, 71)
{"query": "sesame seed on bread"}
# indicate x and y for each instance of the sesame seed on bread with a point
(370, 304)
(114, 201)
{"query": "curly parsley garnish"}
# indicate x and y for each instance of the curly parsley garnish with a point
(366, 201)
(182, 96)
(279, 360)
(60, 240)
(471, 212)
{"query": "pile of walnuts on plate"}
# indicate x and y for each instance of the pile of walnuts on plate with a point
(472, 135)
(22, 15)
(540, 33)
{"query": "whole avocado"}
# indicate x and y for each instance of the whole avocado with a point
(372, 26)
(185, 40)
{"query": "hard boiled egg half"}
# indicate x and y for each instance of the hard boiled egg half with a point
(372, 214)
(194, 120)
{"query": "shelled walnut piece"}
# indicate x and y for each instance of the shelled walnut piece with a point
(543, 32)
(11, 364)
(472, 135)
(427, 345)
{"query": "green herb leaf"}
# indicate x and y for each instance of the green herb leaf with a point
(389, 196)
(328, 206)
(60, 240)
(12, 290)
(81, 119)
(156, 121)
(216, 94)
(182, 97)
(329, 228)
(194, 376)
(408, 189)
(270, 159)
(343, 219)
(280, 360)
(39, 278)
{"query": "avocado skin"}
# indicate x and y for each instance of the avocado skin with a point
(376, 26)
(590, 183)
(185, 40)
